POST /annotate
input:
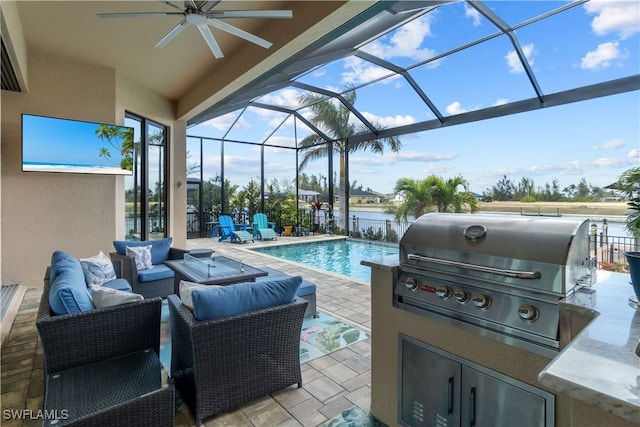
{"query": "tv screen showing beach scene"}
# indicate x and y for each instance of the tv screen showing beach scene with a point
(52, 144)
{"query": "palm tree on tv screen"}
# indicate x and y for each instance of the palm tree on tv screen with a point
(333, 118)
(113, 134)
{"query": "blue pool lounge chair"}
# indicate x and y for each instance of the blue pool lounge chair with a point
(262, 229)
(228, 231)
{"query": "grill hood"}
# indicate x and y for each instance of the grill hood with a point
(541, 254)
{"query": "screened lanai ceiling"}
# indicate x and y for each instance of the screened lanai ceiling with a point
(448, 62)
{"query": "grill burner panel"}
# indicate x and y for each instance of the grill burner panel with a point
(503, 313)
(499, 275)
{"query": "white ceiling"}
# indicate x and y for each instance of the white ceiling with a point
(72, 29)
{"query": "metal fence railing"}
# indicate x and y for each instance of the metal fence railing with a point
(378, 229)
(611, 249)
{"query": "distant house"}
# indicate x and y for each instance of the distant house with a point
(363, 196)
(357, 197)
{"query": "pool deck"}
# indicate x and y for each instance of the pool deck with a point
(331, 383)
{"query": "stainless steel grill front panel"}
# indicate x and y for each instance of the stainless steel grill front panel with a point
(501, 276)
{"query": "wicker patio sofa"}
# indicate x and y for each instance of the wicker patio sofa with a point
(220, 364)
(155, 282)
(101, 366)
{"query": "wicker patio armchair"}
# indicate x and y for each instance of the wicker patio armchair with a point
(220, 364)
(156, 288)
(95, 338)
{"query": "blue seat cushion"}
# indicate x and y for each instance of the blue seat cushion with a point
(159, 248)
(118, 284)
(239, 298)
(158, 272)
(306, 287)
(68, 292)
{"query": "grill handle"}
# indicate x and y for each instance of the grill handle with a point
(482, 268)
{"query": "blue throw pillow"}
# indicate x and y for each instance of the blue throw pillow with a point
(159, 248)
(228, 300)
(68, 292)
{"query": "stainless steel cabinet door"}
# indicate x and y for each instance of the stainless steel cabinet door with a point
(430, 388)
(487, 401)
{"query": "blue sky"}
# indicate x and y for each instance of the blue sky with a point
(61, 141)
(596, 140)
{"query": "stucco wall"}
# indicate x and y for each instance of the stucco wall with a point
(81, 214)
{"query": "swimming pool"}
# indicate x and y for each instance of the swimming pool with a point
(337, 256)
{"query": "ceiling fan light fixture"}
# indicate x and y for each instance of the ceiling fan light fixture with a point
(195, 18)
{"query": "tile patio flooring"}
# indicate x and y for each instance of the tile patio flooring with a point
(331, 383)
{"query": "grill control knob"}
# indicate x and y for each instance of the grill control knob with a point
(528, 313)
(481, 301)
(461, 296)
(443, 292)
(411, 284)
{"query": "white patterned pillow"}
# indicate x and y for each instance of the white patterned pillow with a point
(185, 288)
(142, 256)
(107, 297)
(97, 269)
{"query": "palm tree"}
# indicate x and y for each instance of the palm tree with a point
(417, 197)
(434, 191)
(333, 118)
(113, 135)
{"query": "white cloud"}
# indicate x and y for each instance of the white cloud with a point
(611, 144)
(501, 101)
(284, 98)
(402, 156)
(455, 108)
(416, 156)
(436, 169)
(575, 167)
(602, 57)
(406, 41)
(634, 155)
(513, 61)
(389, 121)
(225, 122)
(361, 71)
(475, 16)
(621, 17)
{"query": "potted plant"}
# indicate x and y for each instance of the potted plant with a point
(629, 185)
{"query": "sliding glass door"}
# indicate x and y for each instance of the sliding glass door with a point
(145, 190)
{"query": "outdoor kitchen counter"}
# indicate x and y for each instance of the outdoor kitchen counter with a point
(600, 366)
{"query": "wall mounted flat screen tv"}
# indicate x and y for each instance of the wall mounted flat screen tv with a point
(52, 144)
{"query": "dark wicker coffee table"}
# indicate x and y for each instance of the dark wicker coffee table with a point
(213, 271)
(126, 390)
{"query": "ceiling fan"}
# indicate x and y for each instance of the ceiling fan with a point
(201, 15)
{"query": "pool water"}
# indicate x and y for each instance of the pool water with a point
(337, 256)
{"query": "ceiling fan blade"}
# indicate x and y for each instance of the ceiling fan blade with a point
(168, 3)
(137, 14)
(211, 42)
(174, 32)
(209, 5)
(240, 33)
(274, 14)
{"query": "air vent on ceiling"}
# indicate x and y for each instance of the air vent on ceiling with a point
(9, 80)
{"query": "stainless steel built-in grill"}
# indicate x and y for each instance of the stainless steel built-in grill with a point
(500, 276)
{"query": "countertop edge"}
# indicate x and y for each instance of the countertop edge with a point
(599, 365)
